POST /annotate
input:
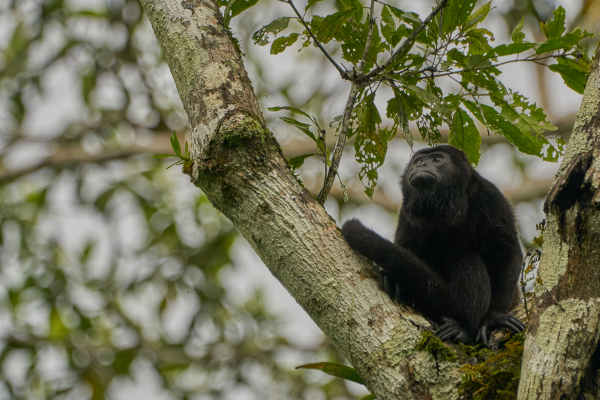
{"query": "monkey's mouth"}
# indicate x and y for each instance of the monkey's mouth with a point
(422, 172)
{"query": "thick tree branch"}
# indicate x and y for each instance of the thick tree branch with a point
(239, 166)
(565, 325)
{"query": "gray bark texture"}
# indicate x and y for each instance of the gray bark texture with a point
(559, 361)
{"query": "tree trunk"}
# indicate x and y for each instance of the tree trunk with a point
(564, 328)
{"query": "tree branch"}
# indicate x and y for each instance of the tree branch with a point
(408, 42)
(238, 164)
(339, 146)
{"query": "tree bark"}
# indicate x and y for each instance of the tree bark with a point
(564, 328)
(238, 164)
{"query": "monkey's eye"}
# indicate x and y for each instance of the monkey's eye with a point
(437, 159)
(419, 161)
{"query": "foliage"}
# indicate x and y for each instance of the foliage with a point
(432, 344)
(184, 159)
(452, 45)
(296, 162)
(495, 375)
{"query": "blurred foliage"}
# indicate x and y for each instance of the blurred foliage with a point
(110, 266)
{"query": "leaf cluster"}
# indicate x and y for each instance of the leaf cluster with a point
(320, 141)
(184, 158)
(410, 55)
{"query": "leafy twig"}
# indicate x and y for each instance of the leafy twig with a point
(184, 159)
(340, 70)
(408, 42)
(339, 146)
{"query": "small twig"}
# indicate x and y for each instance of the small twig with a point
(340, 70)
(339, 146)
(361, 63)
(408, 42)
(534, 60)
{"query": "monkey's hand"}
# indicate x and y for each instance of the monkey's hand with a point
(497, 320)
(451, 330)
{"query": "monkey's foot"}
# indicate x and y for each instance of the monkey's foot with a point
(451, 330)
(389, 285)
(497, 320)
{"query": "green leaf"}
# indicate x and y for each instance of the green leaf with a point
(397, 111)
(577, 63)
(508, 49)
(478, 42)
(281, 43)
(556, 26)
(518, 36)
(310, 4)
(297, 162)
(574, 78)
(335, 369)
(478, 16)
(370, 396)
(305, 128)
(175, 145)
(370, 144)
(465, 135)
(456, 13)
(477, 61)
(261, 36)
(527, 117)
(389, 29)
(473, 109)
(333, 23)
(241, 5)
(514, 135)
(550, 46)
(290, 108)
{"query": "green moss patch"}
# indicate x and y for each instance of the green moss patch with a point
(494, 374)
(432, 344)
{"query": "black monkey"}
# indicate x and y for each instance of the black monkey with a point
(457, 255)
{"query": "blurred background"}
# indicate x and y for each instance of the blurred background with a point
(118, 280)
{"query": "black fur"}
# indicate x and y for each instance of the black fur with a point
(456, 256)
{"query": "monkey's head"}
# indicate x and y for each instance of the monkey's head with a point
(434, 184)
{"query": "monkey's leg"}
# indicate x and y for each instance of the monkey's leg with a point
(419, 285)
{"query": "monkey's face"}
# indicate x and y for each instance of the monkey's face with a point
(427, 170)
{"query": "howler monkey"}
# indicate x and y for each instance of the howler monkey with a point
(457, 256)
